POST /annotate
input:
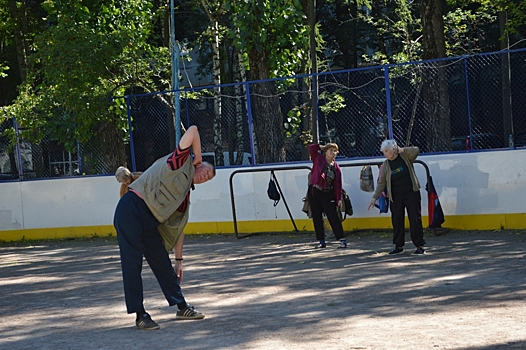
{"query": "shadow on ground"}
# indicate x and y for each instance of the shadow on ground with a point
(275, 291)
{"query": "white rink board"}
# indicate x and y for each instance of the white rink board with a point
(467, 183)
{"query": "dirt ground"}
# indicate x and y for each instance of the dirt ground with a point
(275, 292)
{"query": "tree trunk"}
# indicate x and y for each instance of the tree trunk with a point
(19, 18)
(239, 71)
(435, 88)
(376, 11)
(306, 98)
(111, 147)
(354, 35)
(309, 125)
(13, 164)
(216, 67)
(313, 116)
(413, 116)
(213, 17)
(38, 160)
(506, 78)
(266, 112)
(347, 27)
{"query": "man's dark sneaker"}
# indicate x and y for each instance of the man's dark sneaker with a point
(321, 245)
(189, 313)
(397, 250)
(343, 244)
(144, 321)
(419, 251)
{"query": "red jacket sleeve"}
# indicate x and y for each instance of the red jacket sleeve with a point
(314, 150)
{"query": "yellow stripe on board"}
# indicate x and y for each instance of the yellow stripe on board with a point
(455, 222)
(57, 233)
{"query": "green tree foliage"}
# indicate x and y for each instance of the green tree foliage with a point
(397, 31)
(516, 15)
(25, 19)
(273, 30)
(84, 53)
(470, 29)
(390, 31)
(276, 40)
(90, 53)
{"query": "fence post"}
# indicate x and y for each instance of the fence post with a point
(79, 160)
(388, 101)
(187, 107)
(177, 96)
(18, 156)
(315, 91)
(130, 128)
(466, 74)
(250, 124)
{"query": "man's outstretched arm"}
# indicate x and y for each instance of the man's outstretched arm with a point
(178, 251)
(192, 139)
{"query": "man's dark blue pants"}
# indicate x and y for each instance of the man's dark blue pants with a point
(138, 236)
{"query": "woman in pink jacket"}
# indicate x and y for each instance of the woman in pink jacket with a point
(325, 191)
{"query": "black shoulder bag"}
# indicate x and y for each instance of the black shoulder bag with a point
(272, 190)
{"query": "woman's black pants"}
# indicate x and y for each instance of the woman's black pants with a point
(412, 202)
(321, 202)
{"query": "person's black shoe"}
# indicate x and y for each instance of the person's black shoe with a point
(145, 322)
(419, 251)
(321, 245)
(189, 313)
(397, 250)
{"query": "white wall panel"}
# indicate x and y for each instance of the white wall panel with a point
(70, 202)
(11, 213)
(474, 183)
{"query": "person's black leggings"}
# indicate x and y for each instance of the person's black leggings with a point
(412, 202)
(321, 202)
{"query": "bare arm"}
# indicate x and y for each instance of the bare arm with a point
(178, 251)
(124, 189)
(371, 204)
(192, 139)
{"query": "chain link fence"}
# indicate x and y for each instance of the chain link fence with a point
(457, 104)
(23, 159)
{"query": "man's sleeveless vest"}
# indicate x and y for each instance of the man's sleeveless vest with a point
(163, 190)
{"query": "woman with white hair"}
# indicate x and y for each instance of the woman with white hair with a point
(403, 190)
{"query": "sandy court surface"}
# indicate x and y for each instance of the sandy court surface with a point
(275, 292)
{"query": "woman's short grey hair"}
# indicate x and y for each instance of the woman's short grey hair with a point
(122, 174)
(389, 144)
